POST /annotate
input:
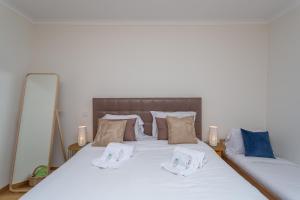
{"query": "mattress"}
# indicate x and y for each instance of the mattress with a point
(279, 176)
(141, 178)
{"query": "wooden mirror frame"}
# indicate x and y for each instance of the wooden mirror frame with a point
(23, 186)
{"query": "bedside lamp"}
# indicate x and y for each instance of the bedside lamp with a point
(213, 136)
(82, 131)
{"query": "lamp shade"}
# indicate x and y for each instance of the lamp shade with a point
(213, 136)
(82, 132)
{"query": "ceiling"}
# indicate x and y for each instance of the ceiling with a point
(151, 10)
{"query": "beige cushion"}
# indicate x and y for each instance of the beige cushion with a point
(181, 130)
(109, 131)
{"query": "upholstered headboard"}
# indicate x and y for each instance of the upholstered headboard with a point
(143, 106)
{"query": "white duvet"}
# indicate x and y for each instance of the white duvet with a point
(141, 178)
(278, 175)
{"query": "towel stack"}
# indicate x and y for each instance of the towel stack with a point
(113, 156)
(185, 161)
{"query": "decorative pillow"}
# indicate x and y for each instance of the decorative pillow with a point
(129, 134)
(162, 128)
(138, 128)
(257, 144)
(161, 114)
(109, 131)
(181, 130)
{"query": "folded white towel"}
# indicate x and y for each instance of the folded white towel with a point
(185, 161)
(113, 156)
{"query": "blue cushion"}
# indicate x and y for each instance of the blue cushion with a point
(257, 144)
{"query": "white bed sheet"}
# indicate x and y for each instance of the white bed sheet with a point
(141, 178)
(279, 176)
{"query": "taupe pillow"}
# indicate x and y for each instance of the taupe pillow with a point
(181, 130)
(109, 131)
(129, 134)
(162, 128)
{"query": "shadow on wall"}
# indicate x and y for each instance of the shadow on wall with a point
(10, 89)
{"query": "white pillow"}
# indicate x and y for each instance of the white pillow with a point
(138, 127)
(160, 114)
(234, 142)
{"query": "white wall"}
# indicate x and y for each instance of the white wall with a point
(15, 55)
(284, 82)
(226, 65)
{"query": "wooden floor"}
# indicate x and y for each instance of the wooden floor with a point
(7, 195)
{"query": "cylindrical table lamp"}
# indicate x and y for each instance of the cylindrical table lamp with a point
(82, 134)
(213, 136)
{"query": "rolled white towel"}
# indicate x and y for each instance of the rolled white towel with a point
(198, 157)
(113, 155)
(185, 161)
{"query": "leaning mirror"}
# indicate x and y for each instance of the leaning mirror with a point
(36, 126)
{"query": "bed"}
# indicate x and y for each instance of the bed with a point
(142, 177)
(276, 178)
